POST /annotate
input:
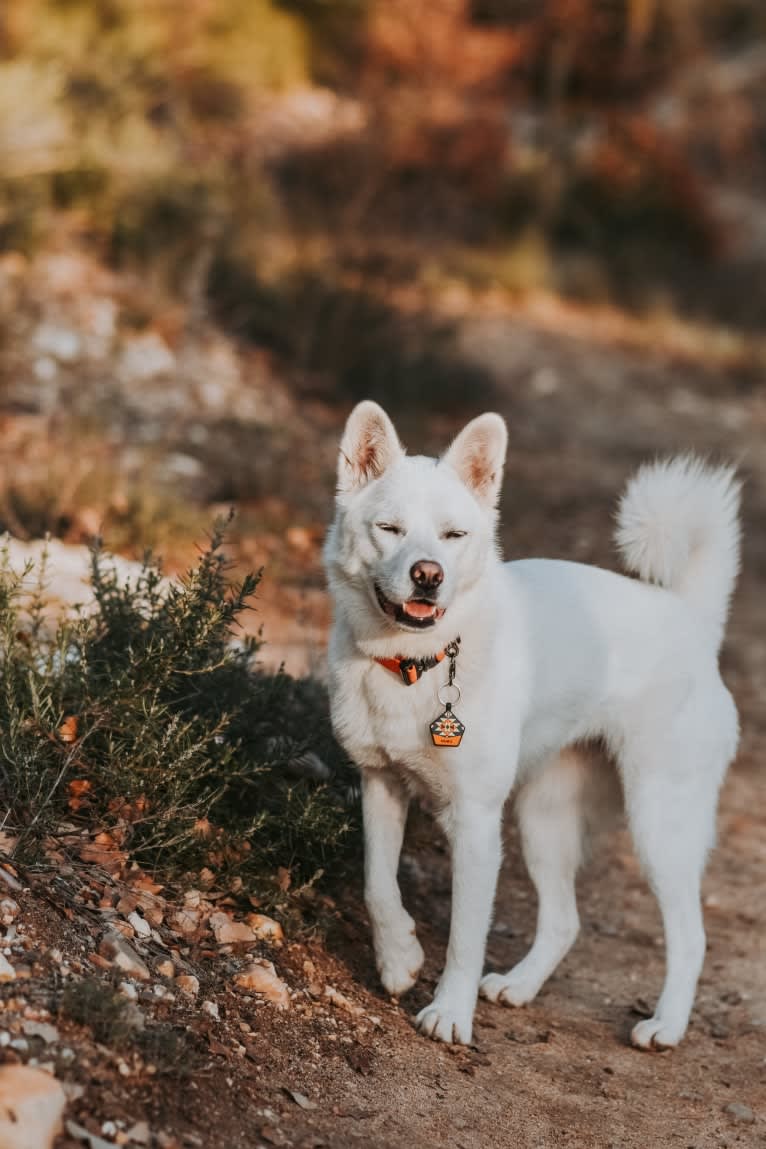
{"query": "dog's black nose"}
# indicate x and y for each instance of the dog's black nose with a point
(426, 575)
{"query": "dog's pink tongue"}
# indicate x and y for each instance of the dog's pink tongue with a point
(419, 609)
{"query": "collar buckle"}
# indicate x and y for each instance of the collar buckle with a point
(410, 670)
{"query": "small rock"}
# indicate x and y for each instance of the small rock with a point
(740, 1112)
(229, 932)
(7, 972)
(140, 925)
(80, 1133)
(342, 1002)
(186, 921)
(139, 1134)
(211, 1008)
(261, 977)
(116, 949)
(167, 1141)
(48, 1033)
(188, 984)
(178, 465)
(45, 368)
(145, 357)
(300, 1099)
(265, 929)
(9, 911)
(31, 1105)
(166, 968)
(128, 990)
(60, 343)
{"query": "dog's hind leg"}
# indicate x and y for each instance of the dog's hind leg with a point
(671, 790)
(397, 950)
(672, 849)
(550, 810)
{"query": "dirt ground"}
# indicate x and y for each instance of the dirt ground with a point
(349, 1070)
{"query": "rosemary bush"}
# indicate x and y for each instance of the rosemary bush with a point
(148, 718)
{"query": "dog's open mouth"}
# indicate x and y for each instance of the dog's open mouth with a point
(415, 612)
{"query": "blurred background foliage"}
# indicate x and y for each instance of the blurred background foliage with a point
(262, 156)
(222, 221)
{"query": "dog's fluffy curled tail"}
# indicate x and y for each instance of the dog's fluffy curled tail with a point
(678, 525)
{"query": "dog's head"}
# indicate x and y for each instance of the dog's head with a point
(412, 534)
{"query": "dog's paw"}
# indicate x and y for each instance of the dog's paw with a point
(657, 1033)
(443, 1022)
(400, 963)
(514, 988)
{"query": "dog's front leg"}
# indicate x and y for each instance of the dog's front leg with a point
(397, 949)
(473, 830)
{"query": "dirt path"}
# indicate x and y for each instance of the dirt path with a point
(561, 1072)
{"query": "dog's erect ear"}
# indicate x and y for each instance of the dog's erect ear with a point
(368, 447)
(478, 455)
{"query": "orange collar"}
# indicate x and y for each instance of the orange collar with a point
(411, 669)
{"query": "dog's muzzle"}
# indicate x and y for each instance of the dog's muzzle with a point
(417, 613)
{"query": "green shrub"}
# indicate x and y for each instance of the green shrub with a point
(148, 717)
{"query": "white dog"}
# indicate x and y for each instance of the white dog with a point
(554, 664)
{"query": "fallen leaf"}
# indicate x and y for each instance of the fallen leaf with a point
(79, 789)
(68, 728)
(261, 977)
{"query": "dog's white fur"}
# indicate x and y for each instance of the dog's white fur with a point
(558, 662)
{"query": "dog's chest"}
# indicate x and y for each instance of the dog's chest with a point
(399, 716)
(382, 722)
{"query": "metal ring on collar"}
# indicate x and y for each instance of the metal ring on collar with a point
(449, 686)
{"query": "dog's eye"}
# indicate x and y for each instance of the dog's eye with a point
(454, 534)
(390, 528)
